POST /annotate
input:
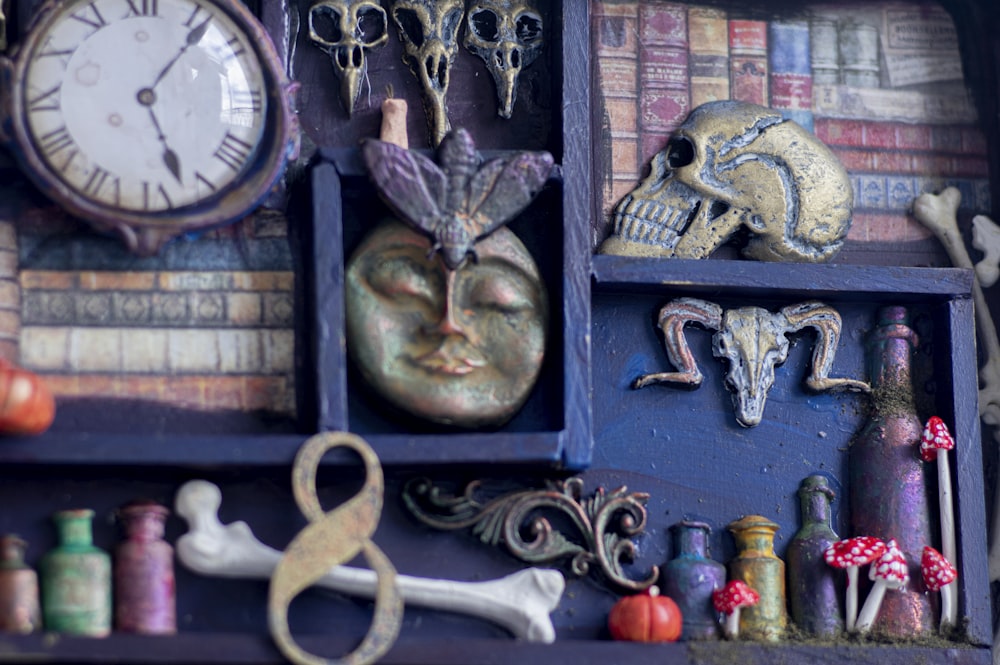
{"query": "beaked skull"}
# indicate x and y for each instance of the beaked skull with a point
(507, 35)
(429, 31)
(344, 30)
(731, 165)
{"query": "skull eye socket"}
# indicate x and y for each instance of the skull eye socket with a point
(325, 24)
(717, 209)
(449, 25)
(528, 28)
(371, 25)
(409, 23)
(485, 24)
(680, 152)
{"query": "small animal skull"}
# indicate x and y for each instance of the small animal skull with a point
(429, 31)
(344, 30)
(731, 165)
(507, 35)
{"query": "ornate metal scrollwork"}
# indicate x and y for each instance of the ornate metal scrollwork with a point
(605, 522)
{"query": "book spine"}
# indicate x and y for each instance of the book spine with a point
(708, 54)
(790, 71)
(616, 46)
(663, 73)
(858, 48)
(841, 101)
(748, 61)
(823, 50)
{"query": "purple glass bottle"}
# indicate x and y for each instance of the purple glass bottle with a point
(145, 600)
(814, 599)
(889, 493)
(690, 578)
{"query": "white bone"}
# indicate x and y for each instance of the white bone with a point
(986, 238)
(520, 602)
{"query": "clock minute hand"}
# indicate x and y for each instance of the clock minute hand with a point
(193, 38)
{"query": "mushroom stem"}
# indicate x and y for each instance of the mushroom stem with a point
(851, 606)
(869, 612)
(949, 608)
(732, 624)
(948, 547)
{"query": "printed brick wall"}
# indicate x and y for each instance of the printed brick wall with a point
(206, 334)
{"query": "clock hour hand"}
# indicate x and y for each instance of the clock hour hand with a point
(193, 38)
(147, 98)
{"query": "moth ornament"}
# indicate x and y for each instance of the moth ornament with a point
(459, 202)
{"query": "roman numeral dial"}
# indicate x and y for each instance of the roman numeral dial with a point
(146, 106)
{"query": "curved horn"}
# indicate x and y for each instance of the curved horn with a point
(826, 321)
(673, 317)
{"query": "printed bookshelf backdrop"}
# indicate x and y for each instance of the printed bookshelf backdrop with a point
(880, 83)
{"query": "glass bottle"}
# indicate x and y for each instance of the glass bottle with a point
(757, 565)
(76, 579)
(814, 599)
(691, 577)
(889, 493)
(145, 600)
(19, 610)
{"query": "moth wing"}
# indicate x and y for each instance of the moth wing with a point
(412, 185)
(503, 187)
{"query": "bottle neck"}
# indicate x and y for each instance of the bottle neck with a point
(815, 507)
(74, 527)
(691, 539)
(754, 536)
(890, 351)
(12, 552)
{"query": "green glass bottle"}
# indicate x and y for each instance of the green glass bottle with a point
(76, 579)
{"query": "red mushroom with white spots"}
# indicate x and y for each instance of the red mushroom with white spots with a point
(729, 600)
(890, 571)
(851, 554)
(938, 574)
(934, 445)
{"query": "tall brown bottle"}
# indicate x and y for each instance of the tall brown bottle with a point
(889, 493)
(19, 608)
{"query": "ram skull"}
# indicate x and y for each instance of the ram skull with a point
(754, 341)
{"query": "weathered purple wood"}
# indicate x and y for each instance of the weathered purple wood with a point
(234, 648)
(960, 356)
(573, 46)
(900, 284)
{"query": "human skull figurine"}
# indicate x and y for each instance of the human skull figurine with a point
(429, 31)
(733, 164)
(507, 35)
(344, 30)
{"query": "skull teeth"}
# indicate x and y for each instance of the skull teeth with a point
(650, 222)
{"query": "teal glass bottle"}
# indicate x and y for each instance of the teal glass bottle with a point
(76, 579)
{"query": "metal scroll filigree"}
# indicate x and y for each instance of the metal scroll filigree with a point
(605, 523)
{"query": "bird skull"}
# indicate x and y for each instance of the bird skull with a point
(429, 31)
(507, 35)
(344, 30)
(731, 165)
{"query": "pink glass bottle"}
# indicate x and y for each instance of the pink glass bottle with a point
(145, 599)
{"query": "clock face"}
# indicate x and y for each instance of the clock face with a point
(145, 106)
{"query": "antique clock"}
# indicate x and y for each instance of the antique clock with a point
(150, 118)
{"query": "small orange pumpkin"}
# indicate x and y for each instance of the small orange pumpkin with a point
(26, 403)
(646, 617)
